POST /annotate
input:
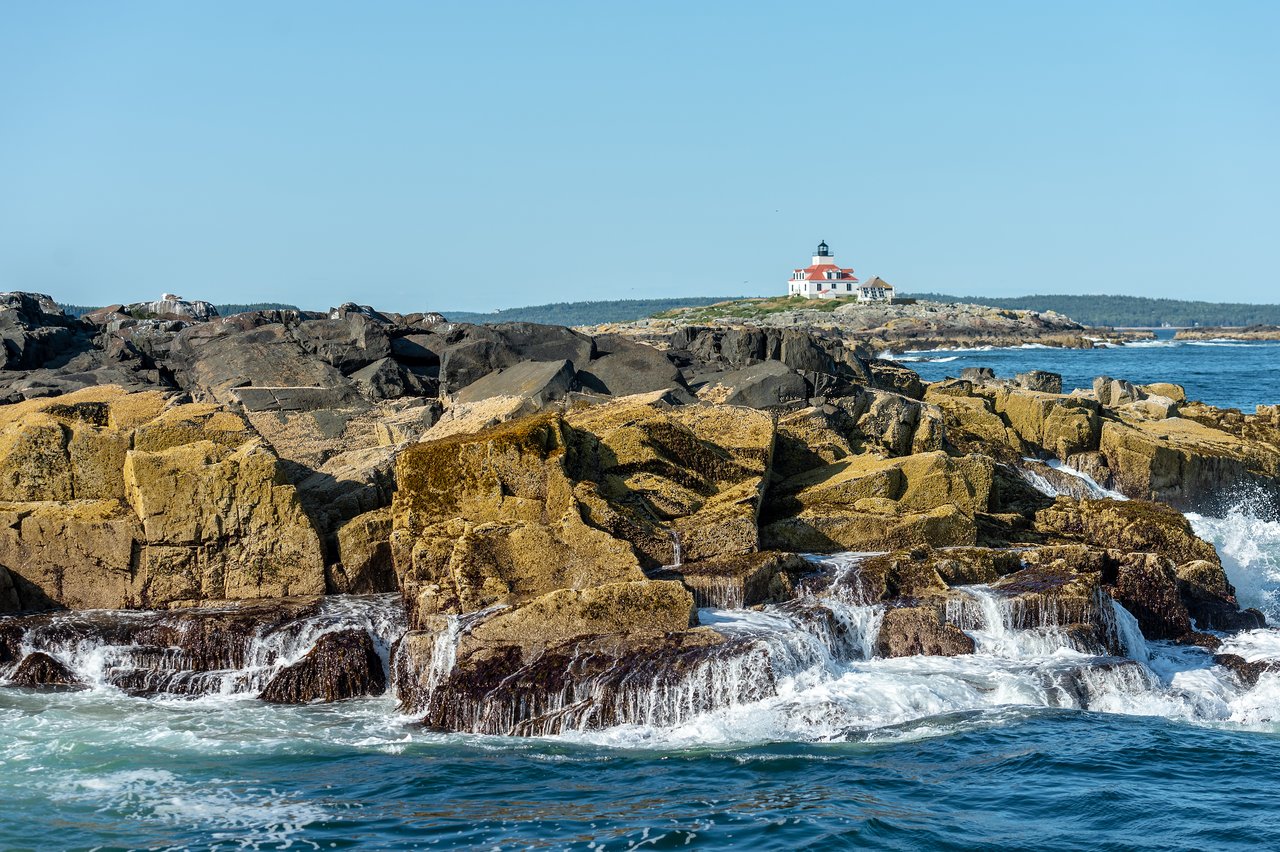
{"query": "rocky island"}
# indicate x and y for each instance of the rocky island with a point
(879, 327)
(1249, 332)
(549, 515)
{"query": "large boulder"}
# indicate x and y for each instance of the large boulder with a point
(540, 382)
(624, 367)
(472, 351)
(213, 359)
(908, 631)
(556, 501)
(343, 664)
(869, 503)
(770, 384)
(118, 500)
(38, 670)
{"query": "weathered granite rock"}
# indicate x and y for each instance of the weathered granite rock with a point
(744, 580)
(1247, 672)
(171, 307)
(1040, 380)
(471, 351)
(540, 382)
(347, 343)
(212, 359)
(364, 555)
(343, 664)
(769, 384)
(118, 500)
(624, 367)
(866, 503)
(560, 501)
(910, 630)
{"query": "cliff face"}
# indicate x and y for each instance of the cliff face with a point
(128, 500)
(553, 505)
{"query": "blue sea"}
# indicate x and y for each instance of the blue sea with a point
(1025, 745)
(1226, 373)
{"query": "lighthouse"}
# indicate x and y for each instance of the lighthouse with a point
(823, 279)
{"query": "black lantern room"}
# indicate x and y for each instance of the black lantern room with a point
(823, 249)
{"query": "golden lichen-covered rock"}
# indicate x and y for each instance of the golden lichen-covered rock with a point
(364, 554)
(907, 631)
(493, 517)
(75, 553)
(220, 523)
(870, 503)
(1190, 461)
(972, 423)
(571, 501)
(740, 580)
(661, 606)
(122, 499)
(1126, 525)
(1061, 425)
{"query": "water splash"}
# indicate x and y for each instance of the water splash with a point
(1248, 541)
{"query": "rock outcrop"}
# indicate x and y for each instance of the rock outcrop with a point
(553, 507)
(130, 500)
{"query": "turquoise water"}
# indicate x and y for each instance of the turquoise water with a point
(990, 751)
(124, 774)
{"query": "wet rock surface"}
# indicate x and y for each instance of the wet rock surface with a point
(38, 670)
(342, 665)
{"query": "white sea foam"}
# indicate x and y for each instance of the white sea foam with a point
(1248, 540)
(1096, 489)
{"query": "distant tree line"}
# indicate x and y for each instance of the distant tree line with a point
(223, 310)
(585, 313)
(1128, 310)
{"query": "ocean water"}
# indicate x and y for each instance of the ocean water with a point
(1034, 742)
(1230, 374)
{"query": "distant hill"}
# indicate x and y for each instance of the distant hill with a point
(1127, 310)
(585, 313)
(223, 310)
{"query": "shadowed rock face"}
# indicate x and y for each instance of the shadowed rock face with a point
(342, 665)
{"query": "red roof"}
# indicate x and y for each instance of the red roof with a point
(818, 272)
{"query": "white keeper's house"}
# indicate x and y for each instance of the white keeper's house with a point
(823, 279)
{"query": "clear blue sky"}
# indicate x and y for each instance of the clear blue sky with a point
(481, 155)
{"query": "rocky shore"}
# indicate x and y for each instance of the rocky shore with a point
(877, 328)
(551, 508)
(1251, 332)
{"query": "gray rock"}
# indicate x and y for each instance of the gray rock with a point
(625, 367)
(386, 379)
(348, 343)
(1113, 392)
(538, 381)
(978, 375)
(172, 307)
(292, 398)
(769, 384)
(211, 359)
(1040, 380)
(418, 349)
(472, 351)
